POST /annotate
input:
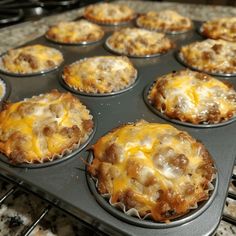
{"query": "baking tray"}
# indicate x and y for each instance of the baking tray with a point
(66, 183)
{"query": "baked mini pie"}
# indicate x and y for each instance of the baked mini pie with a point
(166, 21)
(222, 28)
(210, 56)
(101, 74)
(193, 97)
(138, 42)
(44, 127)
(156, 169)
(75, 32)
(109, 13)
(31, 59)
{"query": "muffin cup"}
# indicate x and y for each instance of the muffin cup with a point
(179, 122)
(164, 31)
(111, 49)
(57, 158)
(74, 44)
(7, 72)
(132, 216)
(181, 60)
(76, 91)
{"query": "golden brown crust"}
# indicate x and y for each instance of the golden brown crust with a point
(193, 97)
(44, 127)
(223, 28)
(166, 21)
(153, 168)
(103, 74)
(31, 59)
(138, 42)
(109, 13)
(210, 56)
(75, 32)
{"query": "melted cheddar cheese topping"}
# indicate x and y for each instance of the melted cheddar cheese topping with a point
(153, 168)
(44, 127)
(193, 97)
(102, 74)
(109, 13)
(31, 59)
(138, 42)
(166, 21)
(211, 56)
(223, 28)
(75, 32)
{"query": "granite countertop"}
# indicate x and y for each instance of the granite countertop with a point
(19, 210)
(17, 35)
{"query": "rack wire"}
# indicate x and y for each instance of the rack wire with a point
(49, 206)
(44, 212)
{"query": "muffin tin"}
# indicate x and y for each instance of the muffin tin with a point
(66, 182)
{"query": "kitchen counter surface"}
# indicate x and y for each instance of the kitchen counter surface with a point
(19, 34)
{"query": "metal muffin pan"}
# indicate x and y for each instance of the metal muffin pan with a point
(66, 182)
(149, 223)
(162, 115)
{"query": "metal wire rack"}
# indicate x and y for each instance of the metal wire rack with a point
(49, 206)
(27, 231)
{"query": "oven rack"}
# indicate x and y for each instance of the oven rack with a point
(18, 186)
(45, 211)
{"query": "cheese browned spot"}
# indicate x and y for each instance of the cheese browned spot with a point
(211, 56)
(193, 97)
(138, 42)
(166, 21)
(102, 74)
(31, 59)
(153, 168)
(75, 32)
(109, 13)
(44, 127)
(223, 28)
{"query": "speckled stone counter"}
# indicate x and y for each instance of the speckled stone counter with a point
(17, 35)
(22, 33)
